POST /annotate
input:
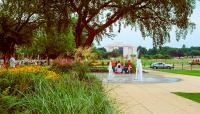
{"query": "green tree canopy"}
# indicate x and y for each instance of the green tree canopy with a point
(53, 46)
(153, 18)
(94, 19)
(16, 24)
(142, 50)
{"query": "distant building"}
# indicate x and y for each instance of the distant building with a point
(127, 49)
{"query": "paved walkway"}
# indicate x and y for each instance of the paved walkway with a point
(156, 98)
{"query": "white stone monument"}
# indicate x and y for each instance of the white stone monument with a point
(12, 62)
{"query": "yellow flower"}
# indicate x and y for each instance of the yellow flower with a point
(2, 70)
(6, 91)
(32, 69)
(51, 75)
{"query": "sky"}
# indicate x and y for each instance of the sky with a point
(134, 37)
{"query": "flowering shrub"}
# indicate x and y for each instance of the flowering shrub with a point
(17, 81)
(32, 69)
(95, 63)
(51, 75)
(27, 90)
(2, 71)
(61, 68)
(84, 55)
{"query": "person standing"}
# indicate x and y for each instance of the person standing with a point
(129, 66)
(113, 66)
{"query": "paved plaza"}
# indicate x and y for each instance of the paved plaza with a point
(156, 98)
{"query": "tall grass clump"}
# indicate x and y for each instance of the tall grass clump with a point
(68, 95)
(13, 87)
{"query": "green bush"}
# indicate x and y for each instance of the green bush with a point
(7, 104)
(61, 68)
(102, 63)
(99, 69)
(67, 96)
(32, 94)
(18, 83)
(77, 69)
(13, 87)
(68, 67)
(133, 68)
(81, 69)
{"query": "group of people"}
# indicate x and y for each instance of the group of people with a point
(119, 67)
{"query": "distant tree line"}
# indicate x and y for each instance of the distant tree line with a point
(153, 53)
(169, 52)
(103, 54)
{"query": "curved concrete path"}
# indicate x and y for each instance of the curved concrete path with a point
(156, 98)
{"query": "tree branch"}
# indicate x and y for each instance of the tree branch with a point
(116, 16)
(23, 24)
(92, 15)
(73, 5)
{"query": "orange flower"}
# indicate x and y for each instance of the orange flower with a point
(33, 69)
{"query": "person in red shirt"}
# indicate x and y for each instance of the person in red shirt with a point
(113, 65)
(129, 66)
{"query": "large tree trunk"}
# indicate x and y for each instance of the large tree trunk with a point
(6, 57)
(78, 35)
(89, 39)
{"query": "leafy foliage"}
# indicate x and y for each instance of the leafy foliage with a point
(53, 46)
(77, 69)
(84, 55)
(87, 20)
(31, 93)
(168, 52)
(154, 18)
(67, 96)
(16, 24)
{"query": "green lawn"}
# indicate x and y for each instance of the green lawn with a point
(178, 63)
(186, 72)
(192, 96)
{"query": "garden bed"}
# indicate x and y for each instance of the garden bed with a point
(36, 90)
(99, 69)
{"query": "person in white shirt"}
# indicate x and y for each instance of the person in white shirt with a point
(118, 69)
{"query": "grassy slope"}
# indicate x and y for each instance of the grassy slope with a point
(185, 72)
(192, 96)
